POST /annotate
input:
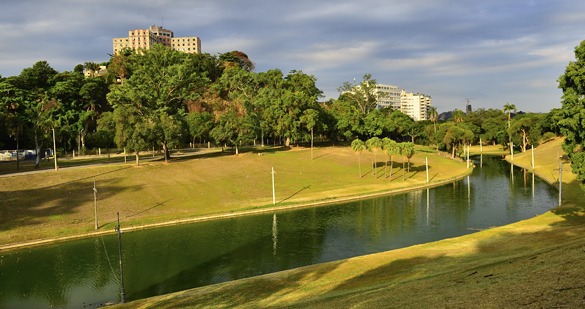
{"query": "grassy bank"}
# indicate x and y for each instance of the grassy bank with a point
(48, 205)
(535, 263)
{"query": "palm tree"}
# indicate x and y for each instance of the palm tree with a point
(358, 146)
(386, 141)
(392, 148)
(458, 115)
(508, 108)
(433, 115)
(373, 144)
(408, 153)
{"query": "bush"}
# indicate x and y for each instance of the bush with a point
(547, 137)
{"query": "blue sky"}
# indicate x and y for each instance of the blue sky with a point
(490, 52)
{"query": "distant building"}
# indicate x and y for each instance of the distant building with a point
(100, 71)
(468, 109)
(146, 38)
(415, 105)
(388, 96)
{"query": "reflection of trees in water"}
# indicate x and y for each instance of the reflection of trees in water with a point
(179, 257)
(51, 273)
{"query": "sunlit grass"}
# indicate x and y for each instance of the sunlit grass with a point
(533, 263)
(35, 206)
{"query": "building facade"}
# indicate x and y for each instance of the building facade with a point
(388, 96)
(415, 105)
(145, 38)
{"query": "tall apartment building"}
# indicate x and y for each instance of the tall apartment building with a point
(146, 38)
(415, 105)
(388, 96)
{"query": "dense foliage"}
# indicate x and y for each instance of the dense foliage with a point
(572, 115)
(160, 98)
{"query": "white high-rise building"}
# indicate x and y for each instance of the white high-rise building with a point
(388, 96)
(415, 105)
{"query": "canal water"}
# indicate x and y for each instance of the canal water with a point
(85, 273)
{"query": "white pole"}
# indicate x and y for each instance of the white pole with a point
(560, 180)
(95, 205)
(512, 150)
(532, 156)
(54, 149)
(124, 154)
(427, 163)
(467, 156)
(273, 192)
(480, 146)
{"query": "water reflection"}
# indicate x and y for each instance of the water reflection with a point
(83, 273)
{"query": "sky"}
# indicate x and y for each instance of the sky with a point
(489, 52)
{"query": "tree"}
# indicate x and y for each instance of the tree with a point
(528, 127)
(236, 58)
(458, 115)
(408, 151)
(40, 109)
(233, 108)
(508, 109)
(401, 125)
(454, 138)
(373, 145)
(363, 96)
(12, 111)
(433, 115)
(392, 148)
(386, 145)
(160, 86)
(572, 124)
(309, 119)
(358, 146)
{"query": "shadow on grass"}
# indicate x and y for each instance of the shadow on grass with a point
(292, 195)
(31, 207)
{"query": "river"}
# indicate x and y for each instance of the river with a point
(85, 273)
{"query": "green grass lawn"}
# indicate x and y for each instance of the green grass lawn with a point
(52, 204)
(535, 263)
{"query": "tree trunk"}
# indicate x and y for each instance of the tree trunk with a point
(391, 166)
(38, 150)
(137, 158)
(166, 152)
(237, 149)
(17, 146)
(360, 165)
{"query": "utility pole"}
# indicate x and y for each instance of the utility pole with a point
(122, 294)
(560, 179)
(427, 164)
(95, 205)
(532, 157)
(273, 192)
(54, 149)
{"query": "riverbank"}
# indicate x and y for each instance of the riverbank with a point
(533, 263)
(48, 207)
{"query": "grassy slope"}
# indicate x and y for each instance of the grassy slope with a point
(534, 263)
(53, 204)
